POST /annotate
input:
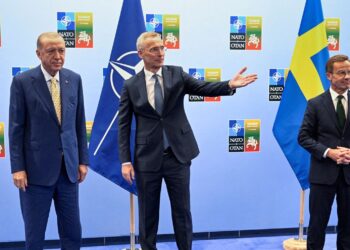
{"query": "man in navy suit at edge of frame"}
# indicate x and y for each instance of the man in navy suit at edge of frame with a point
(325, 133)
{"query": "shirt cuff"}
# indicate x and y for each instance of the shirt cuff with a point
(325, 153)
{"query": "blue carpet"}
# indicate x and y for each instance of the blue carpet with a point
(258, 243)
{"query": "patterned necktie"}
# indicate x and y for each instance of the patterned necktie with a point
(56, 98)
(341, 112)
(159, 104)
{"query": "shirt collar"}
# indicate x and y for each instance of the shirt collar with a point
(334, 95)
(48, 76)
(149, 74)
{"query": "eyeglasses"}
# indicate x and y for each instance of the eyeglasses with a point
(158, 49)
(342, 73)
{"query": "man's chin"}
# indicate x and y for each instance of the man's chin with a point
(57, 68)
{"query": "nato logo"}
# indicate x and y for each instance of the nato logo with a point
(276, 77)
(123, 68)
(238, 28)
(66, 27)
(199, 74)
(236, 136)
(154, 23)
(120, 69)
(66, 21)
(238, 24)
(236, 128)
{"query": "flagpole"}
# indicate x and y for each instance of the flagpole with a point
(301, 218)
(299, 243)
(132, 225)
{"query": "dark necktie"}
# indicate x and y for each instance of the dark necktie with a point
(159, 104)
(158, 96)
(341, 112)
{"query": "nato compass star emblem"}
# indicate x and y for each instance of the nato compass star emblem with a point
(197, 75)
(154, 22)
(236, 128)
(121, 69)
(276, 77)
(238, 24)
(66, 21)
(124, 69)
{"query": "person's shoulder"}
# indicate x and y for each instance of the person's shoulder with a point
(69, 72)
(319, 98)
(322, 95)
(172, 68)
(135, 78)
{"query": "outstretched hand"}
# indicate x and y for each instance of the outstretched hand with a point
(239, 80)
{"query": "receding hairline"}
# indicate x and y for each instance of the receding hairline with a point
(146, 35)
(49, 36)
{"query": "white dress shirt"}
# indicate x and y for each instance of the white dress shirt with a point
(150, 81)
(48, 78)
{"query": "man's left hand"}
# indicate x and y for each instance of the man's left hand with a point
(83, 170)
(345, 156)
(239, 80)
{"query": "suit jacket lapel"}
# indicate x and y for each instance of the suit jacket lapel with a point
(141, 86)
(65, 87)
(328, 102)
(167, 85)
(40, 86)
(348, 114)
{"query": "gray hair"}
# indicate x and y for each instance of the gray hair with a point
(144, 36)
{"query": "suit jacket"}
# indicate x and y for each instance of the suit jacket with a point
(37, 140)
(320, 130)
(150, 125)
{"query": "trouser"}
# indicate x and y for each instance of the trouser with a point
(35, 205)
(177, 179)
(320, 204)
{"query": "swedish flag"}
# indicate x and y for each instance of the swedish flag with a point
(306, 79)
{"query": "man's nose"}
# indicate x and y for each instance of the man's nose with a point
(57, 54)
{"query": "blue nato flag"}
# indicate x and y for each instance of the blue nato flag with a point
(306, 79)
(123, 63)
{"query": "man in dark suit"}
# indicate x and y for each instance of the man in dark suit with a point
(325, 133)
(48, 145)
(165, 144)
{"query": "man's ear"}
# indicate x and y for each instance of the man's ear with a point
(140, 53)
(329, 75)
(37, 53)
